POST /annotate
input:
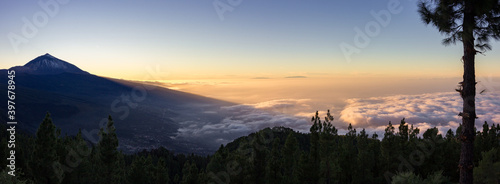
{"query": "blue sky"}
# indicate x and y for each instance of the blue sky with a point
(256, 38)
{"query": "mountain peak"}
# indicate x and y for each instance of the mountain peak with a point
(48, 64)
(48, 55)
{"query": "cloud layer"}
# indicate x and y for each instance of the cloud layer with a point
(240, 120)
(425, 110)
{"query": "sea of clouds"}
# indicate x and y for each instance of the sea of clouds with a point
(423, 111)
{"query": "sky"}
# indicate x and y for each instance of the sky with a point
(324, 54)
(189, 40)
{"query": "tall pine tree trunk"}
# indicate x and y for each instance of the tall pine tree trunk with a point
(468, 93)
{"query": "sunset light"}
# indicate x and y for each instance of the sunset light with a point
(284, 91)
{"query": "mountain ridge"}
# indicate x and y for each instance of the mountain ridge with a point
(48, 65)
(146, 116)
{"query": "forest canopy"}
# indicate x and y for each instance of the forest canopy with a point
(271, 155)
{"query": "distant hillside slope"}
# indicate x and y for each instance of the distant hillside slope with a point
(146, 116)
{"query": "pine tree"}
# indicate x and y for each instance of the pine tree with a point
(161, 172)
(483, 141)
(328, 168)
(290, 160)
(494, 137)
(365, 160)
(61, 147)
(347, 155)
(107, 154)
(189, 173)
(414, 133)
(140, 170)
(259, 153)
(434, 150)
(465, 21)
(403, 136)
(404, 131)
(488, 169)
(136, 173)
(77, 161)
(390, 149)
(314, 157)
(149, 169)
(216, 170)
(45, 164)
(303, 168)
(120, 170)
(274, 164)
(238, 165)
(451, 148)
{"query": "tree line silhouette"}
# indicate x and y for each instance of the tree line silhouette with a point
(272, 155)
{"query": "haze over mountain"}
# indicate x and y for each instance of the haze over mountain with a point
(145, 115)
